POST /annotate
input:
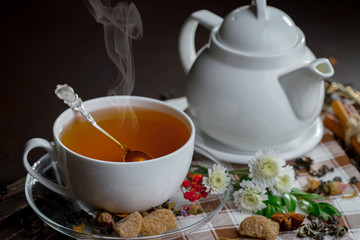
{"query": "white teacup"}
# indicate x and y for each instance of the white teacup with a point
(115, 186)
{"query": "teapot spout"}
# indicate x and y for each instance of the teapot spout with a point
(304, 87)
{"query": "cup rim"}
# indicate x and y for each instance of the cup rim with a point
(141, 98)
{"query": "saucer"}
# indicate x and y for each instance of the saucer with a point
(52, 208)
(290, 150)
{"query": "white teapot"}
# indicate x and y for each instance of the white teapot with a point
(255, 84)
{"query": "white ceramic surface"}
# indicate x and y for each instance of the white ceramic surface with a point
(247, 88)
(116, 186)
(289, 150)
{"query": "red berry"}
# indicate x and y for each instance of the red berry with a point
(196, 178)
(187, 195)
(198, 188)
(186, 183)
(204, 194)
(197, 196)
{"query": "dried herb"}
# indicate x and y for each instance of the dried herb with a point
(306, 163)
(76, 218)
(289, 221)
(316, 229)
(322, 171)
(336, 90)
(353, 180)
(333, 187)
(303, 163)
(33, 228)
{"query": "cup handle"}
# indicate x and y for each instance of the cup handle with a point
(42, 143)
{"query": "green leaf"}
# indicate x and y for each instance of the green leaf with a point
(324, 215)
(281, 209)
(308, 196)
(297, 192)
(312, 196)
(235, 184)
(316, 208)
(261, 212)
(329, 209)
(275, 200)
(269, 211)
(290, 201)
(245, 178)
(309, 207)
(199, 169)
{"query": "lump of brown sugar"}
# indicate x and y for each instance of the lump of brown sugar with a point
(130, 226)
(158, 222)
(259, 227)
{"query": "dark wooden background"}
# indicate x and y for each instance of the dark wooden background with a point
(44, 43)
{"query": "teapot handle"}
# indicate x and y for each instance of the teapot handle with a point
(187, 35)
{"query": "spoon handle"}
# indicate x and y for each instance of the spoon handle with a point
(67, 94)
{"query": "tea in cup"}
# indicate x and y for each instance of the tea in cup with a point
(91, 165)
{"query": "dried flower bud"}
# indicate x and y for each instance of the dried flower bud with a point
(105, 219)
(336, 188)
(195, 209)
(312, 184)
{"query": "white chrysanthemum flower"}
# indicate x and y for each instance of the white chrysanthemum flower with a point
(265, 168)
(218, 179)
(285, 183)
(250, 197)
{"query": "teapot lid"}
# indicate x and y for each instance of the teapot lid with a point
(258, 29)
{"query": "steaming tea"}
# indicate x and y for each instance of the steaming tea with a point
(150, 131)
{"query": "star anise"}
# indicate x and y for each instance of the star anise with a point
(289, 221)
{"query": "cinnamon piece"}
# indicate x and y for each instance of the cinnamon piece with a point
(351, 109)
(356, 145)
(334, 126)
(343, 114)
(340, 111)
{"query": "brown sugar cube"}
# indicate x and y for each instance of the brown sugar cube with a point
(158, 222)
(259, 227)
(130, 226)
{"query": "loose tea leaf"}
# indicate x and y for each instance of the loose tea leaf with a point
(316, 229)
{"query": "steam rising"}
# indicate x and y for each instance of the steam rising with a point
(122, 23)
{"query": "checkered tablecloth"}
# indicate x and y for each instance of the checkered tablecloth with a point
(226, 223)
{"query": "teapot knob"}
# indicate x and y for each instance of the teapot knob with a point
(261, 12)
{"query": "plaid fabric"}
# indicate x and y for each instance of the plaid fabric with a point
(226, 223)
